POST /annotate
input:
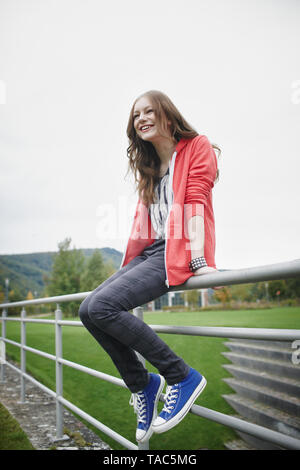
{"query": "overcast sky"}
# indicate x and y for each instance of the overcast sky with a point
(69, 73)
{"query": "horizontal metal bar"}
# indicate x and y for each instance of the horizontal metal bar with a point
(271, 272)
(102, 427)
(36, 320)
(51, 322)
(284, 270)
(228, 332)
(69, 323)
(10, 341)
(261, 432)
(95, 373)
(222, 332)
(275, 334)
(47, 300)
(28, 348)
(28, 320)
(34, 381)
(40, 353)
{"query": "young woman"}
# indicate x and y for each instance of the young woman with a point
(172, 239)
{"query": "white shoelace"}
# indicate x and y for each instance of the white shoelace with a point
(138, 401)
(170, 398)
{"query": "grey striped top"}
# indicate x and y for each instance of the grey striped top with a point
(159, 209)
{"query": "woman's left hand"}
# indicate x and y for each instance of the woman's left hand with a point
(207, 270)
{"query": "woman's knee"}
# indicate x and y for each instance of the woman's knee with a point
(100, 307)
(83, 311)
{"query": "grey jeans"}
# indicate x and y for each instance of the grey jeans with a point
(105, 314)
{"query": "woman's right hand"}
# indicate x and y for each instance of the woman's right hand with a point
(207, 270)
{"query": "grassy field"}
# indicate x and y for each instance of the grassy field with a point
(110, 404)
(12, 436)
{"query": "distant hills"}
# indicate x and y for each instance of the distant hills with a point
(26, 271)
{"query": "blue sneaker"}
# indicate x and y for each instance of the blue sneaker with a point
(178, 401)
(145, 406)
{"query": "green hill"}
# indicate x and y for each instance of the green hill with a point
(26, 272)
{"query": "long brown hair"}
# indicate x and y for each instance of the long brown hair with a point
(143, 159)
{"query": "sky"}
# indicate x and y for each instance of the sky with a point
(70, 71)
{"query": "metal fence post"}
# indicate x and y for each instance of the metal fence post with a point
(138, 312)
(58, 374)
(23, 354)
(2, 347)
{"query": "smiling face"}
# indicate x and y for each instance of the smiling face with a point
(145, 121)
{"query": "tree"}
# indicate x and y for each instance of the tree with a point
(109, 268)
(275, 287)
(29, 295)
(2, 296)
(96, 271)
(240, 292)
(224, 296)
(68, 265)
(192, 297)
(29, 308)
(14, 295)
(293, 288)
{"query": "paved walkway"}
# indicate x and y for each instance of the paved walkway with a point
(37, 417)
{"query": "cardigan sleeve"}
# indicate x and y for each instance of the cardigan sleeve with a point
(201, 176)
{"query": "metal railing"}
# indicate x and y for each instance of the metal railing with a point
(284, 270)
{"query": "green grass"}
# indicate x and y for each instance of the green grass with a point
(109, 404)
(12, 436)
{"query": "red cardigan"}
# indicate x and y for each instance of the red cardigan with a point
(193, 169)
